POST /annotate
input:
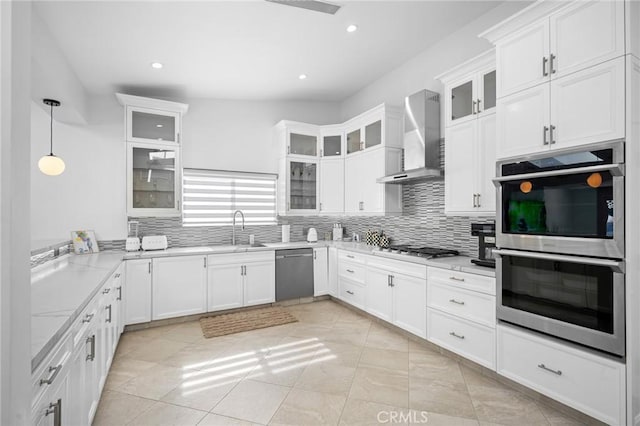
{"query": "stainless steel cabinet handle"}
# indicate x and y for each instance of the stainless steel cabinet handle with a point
(92, 355)
(106, 290)
(55, 370)
(320, 206)
(551, 370)
(350, 271)
(119, 293)
(551, 58)
(108, 308)
(178, 137)
(87, 318)
(479, 200)
(473, 107)
(456, 278)
(457, 302)
(117, 276)
(314, 255)
(478, 106)
(241, 269)
(55, 408)
(205, 262)
(545, 141)
(350, 292)
(453, 333)
(392, 284)
(361, 205)
(551, 129)
(350, 256)
(544, 66)
(474, 201)
(149, 267)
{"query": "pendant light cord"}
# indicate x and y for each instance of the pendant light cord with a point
(51, 128)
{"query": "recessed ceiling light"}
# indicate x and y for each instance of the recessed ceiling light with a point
(159, 125)
(156, 65)
(352, 28)
(302, 76)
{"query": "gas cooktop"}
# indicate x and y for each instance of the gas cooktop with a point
(426, 252)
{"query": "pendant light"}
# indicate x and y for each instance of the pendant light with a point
(50, 164)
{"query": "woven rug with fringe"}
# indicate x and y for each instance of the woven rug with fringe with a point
(237, 322)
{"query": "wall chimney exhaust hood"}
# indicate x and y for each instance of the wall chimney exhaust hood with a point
(421, 139)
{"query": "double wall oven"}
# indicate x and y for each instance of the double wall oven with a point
(560, 237)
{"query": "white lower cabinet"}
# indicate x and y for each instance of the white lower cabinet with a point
(352, 293)
(461, 314)
(578, 378)
(241, 279)
(137, 291)
(320, 271)
(179, 286)
(333, 271)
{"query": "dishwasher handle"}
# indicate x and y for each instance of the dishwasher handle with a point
(287, 256)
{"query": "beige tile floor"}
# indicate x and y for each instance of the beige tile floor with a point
(332, 367)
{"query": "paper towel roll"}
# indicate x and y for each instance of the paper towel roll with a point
(286, 233)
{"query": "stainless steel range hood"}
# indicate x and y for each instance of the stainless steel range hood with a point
(421, 139)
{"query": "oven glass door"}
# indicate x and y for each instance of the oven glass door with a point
(570, 205)
(575, 293)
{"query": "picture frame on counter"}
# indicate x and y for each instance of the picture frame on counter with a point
(84, 242)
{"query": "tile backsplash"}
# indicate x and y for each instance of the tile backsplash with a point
(423, 222)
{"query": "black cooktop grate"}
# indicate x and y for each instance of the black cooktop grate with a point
(429, 252)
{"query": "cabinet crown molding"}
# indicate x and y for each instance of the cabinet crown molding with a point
(142, 102)
(471, 66)
(538, 10)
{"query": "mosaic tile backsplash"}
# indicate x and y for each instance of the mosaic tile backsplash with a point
(423, 222)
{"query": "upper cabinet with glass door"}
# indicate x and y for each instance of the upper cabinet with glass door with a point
(152, 120)
(380, 126)
(297, 139)
(470, 89)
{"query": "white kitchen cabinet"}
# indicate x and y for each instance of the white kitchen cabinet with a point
(332, 137)
(153, 179)
(50, 409)
(381, 125)
(179, 286)
(320, 271)
(397, 292)
(363, 194)
(242, 279)
(152, 120)
(259, 282)
(137, 292)
(581, 108)
(470, 136)
(551, 41)
(299, 178)
(333, 271)
(470, 89)
(332, 185)
(581, 379)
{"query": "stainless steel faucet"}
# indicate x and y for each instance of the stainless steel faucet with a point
(233, 235)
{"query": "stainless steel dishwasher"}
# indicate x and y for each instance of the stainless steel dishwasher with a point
(294, 273)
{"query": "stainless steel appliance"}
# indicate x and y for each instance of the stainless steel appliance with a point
(486, 233)
(575, 298)
(294, 273)
(421, 141)
(570, 201)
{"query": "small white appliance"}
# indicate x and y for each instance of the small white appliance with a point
(337, 232)
(312, 235)
(132, 244)
(286, 233)
(154, 242)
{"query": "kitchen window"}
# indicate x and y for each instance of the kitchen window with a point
(211, 196)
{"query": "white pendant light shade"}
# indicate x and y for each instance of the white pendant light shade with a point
(51, 165)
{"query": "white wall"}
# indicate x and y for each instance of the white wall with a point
(418, 73)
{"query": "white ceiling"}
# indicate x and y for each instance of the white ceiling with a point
(249, 49)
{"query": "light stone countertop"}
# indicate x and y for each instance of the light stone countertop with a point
(62, 288)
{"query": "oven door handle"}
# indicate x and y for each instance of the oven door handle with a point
(615, 265)
(615, 169)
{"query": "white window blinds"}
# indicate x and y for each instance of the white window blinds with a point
(210, 197)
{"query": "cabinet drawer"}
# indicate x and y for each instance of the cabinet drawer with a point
(473, 341)
(398, 267)
(86, 319)
(587, 382)
(352, 257)
(352, 293)
(241, 258)
(462, 279)
(51, 369)
(351, 271)
(471, 305)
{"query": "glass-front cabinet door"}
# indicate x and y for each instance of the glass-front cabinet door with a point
(152, 125)
(354, 141)
(487, 101)
(153, 179)
(331, 146)
(303, 144)
(373, 134)
(463, 100)
(303, 186)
